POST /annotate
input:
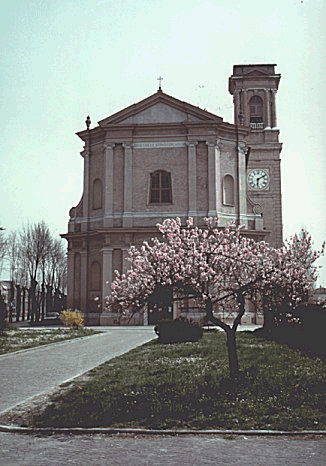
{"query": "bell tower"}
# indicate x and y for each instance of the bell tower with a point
(254, 89)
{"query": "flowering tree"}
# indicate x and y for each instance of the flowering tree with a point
(215, 266)
(300, 246)
(298, 251)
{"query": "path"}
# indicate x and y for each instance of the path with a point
(28, 373)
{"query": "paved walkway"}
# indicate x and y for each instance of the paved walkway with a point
(26, 374)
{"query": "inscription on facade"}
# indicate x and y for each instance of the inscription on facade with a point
(150, 145)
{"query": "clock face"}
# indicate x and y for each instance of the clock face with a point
(258, 179)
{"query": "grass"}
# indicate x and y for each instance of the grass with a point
(12, 339)
(186, 385)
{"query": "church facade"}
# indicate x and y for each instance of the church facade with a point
(162, 158)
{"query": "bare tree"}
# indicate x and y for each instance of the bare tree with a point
(3, 248)
(60, 264)
(55, 272)
(56, 266)
(13, 256)
(35, 246)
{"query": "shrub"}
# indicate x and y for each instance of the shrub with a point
(303, 327)
(178, 330)
(72, 318)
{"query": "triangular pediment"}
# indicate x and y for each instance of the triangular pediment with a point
(159, 108)
(256, 72)
(160, 113)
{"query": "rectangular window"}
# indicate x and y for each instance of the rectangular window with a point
(160, 188)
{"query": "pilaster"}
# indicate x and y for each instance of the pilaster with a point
(125, 263)
(127, 214)
(192, 179)
(70, 279)
(236, 105)
(108, 192)
(86, 185)
(83, 281)
(274, 119)
(268, 109)
(246, 108)
(107, 272)
(242, 185)
(214, 178)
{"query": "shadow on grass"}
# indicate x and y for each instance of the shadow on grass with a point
(188, 385)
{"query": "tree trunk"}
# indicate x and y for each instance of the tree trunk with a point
(232, 351)
(24, 303)
(268, 321)
(43, 302)
(33, 300)
(2, 313)
(18, 302)
(29, 306)
(231, 340)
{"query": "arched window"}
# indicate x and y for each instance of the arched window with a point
(256, 107)
(97, 194)
(228, 190)
(95, 277)
(160, 188)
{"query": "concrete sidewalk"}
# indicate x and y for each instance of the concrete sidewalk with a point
(26, 374)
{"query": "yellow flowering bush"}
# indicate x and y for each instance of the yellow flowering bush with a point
(72, 318)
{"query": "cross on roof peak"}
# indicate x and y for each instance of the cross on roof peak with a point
(160, 85)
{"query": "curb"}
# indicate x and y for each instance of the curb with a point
(172, 432)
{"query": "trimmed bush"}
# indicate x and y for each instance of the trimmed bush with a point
(71, 318)
(178, 330)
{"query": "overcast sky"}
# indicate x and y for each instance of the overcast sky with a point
(64, 59)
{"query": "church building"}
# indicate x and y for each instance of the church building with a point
(162, 158)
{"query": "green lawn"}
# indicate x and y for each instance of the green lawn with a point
(12, 339)
(186, 385)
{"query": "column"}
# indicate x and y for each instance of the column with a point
(192, 180)
(108, 186)
(127, 214)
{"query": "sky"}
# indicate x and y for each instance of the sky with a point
(64, 59)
